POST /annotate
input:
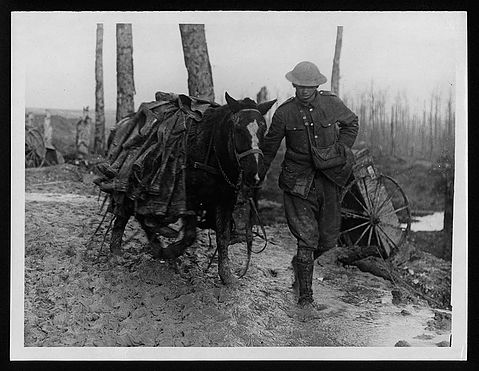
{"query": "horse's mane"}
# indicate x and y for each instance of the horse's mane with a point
(218, 114)
(199, 133)
(215, 114)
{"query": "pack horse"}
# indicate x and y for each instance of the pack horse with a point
(181, 158)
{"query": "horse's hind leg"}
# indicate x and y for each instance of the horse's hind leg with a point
(117, 234)
(155, 244)
(176, 248)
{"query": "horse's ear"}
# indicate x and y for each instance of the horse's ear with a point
(232, 103)
(265, 107)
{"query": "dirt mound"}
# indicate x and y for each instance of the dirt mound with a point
(422, 181)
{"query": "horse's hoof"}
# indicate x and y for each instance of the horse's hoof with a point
(116, 251)
(157, 253)
(172, 252)
(229, 279)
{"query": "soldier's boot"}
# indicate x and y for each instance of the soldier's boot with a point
(295, 285)
(305, 300)
(305, 282)
(105, 169)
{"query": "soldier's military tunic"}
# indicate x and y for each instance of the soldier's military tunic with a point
(311, 196)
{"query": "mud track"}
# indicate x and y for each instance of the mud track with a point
(77, 295)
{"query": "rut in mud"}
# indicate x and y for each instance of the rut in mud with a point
(77, 295)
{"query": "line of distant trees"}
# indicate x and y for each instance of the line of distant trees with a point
(390, 126)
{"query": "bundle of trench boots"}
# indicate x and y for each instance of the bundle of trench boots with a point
(147, 155)
(144, 170)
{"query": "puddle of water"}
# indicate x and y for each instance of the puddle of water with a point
(428, 223)
(392, 327)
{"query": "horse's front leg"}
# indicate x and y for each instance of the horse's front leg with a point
(223, 228)
(117, 234)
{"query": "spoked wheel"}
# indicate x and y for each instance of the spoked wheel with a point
(34, 148)
(375, 212)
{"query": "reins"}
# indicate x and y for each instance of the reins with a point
(235, 185)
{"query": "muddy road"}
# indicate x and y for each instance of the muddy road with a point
(77, 295)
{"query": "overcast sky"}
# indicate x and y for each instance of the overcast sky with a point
(412, 52)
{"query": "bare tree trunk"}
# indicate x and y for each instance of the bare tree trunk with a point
(48, 131)
(125, 84)
(448, 212)
(195, 52)
(392, 130)
(449, 131)
(364, 123)
(262, 95)
(99, 143)
(337, 55)
(423, 129)
(431, 134)
(83, 135)
(371, 119)
(436, 121)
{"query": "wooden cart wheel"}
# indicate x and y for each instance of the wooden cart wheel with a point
(375, 211)
(34, 148)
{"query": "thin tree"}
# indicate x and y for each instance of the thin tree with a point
(392, 130)
(450, 124)
(448, 211)
(337, 55)
(99, 143)
(423, 129)
(372, 116)
(262, 95)
(437, 99)
(431, 132)
(197, 62)
(125, 84)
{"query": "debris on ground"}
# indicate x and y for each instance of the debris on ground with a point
(77, 295)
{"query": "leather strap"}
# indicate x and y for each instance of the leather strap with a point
(249, 152)
(208, 168)
(305, 121)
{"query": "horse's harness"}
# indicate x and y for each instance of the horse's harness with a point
(238, 156)
(212, 170)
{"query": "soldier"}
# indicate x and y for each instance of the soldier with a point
(320, 131)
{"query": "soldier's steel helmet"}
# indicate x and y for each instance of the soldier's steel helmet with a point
(306, 74)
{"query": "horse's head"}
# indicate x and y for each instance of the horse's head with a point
(248, 133)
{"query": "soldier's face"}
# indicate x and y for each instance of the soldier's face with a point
(305, 93)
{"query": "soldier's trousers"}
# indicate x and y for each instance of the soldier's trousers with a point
(315, 221)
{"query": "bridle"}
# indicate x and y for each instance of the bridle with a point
(236, 186)
(238, 155)
(250, 151)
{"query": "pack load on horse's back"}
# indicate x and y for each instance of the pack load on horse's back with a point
(183, 158)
